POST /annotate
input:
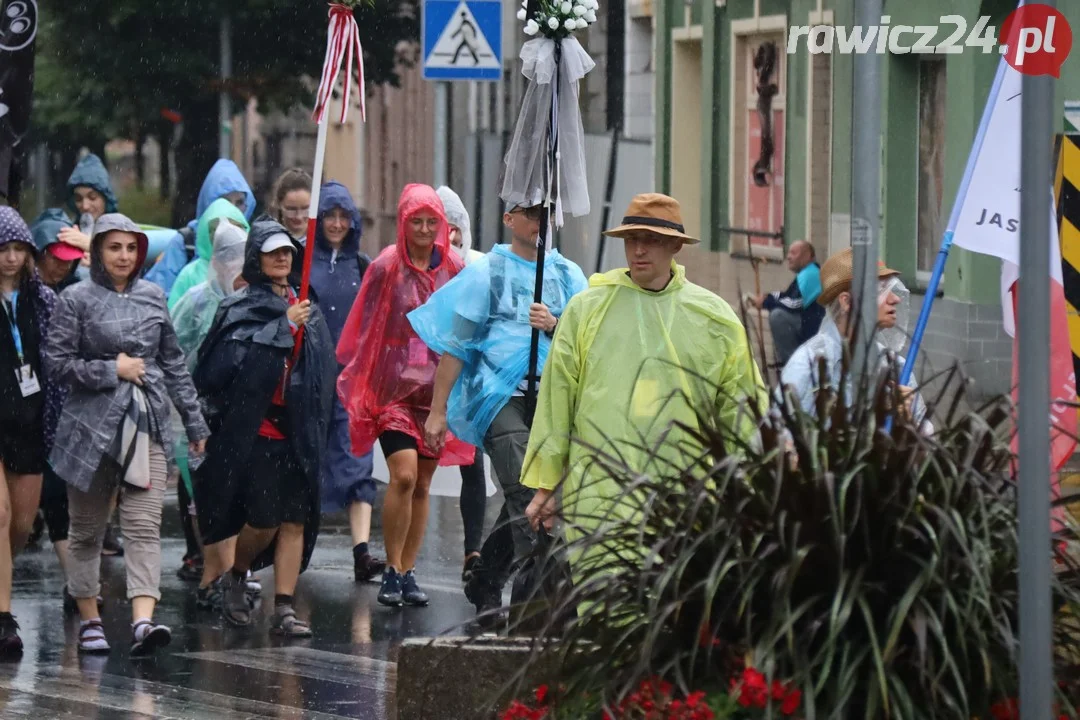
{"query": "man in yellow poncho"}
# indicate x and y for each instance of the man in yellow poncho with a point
(641, 348)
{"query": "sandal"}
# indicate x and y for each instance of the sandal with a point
(146, 637)
(92, 638)
(286, 623)
(234, 602)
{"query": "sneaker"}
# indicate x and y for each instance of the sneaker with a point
(112, 546)
(11, 645)
(411, 592)
(252, 590)
(234, 603)
(72, 608)
(209, 597)
(191, 570)
(390, 592)
(366, 568)
(148, 636)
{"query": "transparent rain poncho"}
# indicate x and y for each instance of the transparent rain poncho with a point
(482, 318)
(193, 313)
(523, 181)
(221, 216)
(389, 372)
(800, 375)
(456, 214)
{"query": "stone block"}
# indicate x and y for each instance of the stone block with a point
(461, 678)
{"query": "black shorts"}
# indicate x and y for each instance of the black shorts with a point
(393, 441)
(22, 448)
(277, 488)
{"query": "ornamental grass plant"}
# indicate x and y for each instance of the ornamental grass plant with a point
(873, 572)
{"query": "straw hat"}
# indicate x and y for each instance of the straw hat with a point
(656, 213)
(836, 275)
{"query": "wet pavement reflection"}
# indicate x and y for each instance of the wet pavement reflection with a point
(215, 672)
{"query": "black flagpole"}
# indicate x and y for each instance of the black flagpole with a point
(551, 178)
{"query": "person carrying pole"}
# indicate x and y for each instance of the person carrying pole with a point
(482, 323)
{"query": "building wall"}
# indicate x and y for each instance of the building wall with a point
(701, 113)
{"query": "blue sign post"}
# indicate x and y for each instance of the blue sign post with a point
(462, 39)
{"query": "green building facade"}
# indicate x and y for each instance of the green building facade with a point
(709, 98)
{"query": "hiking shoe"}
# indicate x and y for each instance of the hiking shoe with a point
(390, 593)
(111, 546)
(285, 623)
(72, 608)
(191, 570)
(36, 531)
(366, 568)
(411, 592)
(469, 567)
(147, 636)
(209, 597)
(11, 645)
(234, 603)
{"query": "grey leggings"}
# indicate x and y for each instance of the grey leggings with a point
(140, 524)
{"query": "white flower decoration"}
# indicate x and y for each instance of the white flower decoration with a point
(590, 16)
(579, 10)
(582, 23)
(570, 24)
(566, 8)
(521, 15)
(553, 23)
(531, 27)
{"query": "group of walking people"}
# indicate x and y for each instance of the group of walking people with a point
(271, 404)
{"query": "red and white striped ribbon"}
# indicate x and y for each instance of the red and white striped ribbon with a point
(342, 43)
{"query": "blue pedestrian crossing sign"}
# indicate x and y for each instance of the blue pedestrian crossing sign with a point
(462, 39)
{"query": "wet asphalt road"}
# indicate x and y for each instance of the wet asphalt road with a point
(216, 672)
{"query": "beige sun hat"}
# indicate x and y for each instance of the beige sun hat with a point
(656, 213)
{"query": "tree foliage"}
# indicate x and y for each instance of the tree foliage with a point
(106, 68)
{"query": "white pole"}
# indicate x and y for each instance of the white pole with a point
(316, 174)
(313, 209)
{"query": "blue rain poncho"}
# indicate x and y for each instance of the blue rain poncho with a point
(91, 173)
(224, 178)
(481, 317)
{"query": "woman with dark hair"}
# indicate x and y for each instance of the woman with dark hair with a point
(386, 386)
(27, 418)
(112, 344)
(269, 407)
(290, 202)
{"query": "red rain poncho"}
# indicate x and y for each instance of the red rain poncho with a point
(389, 372)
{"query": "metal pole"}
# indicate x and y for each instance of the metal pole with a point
(1033, 334)
(865, 192)
(224, 133)
(442, 122)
